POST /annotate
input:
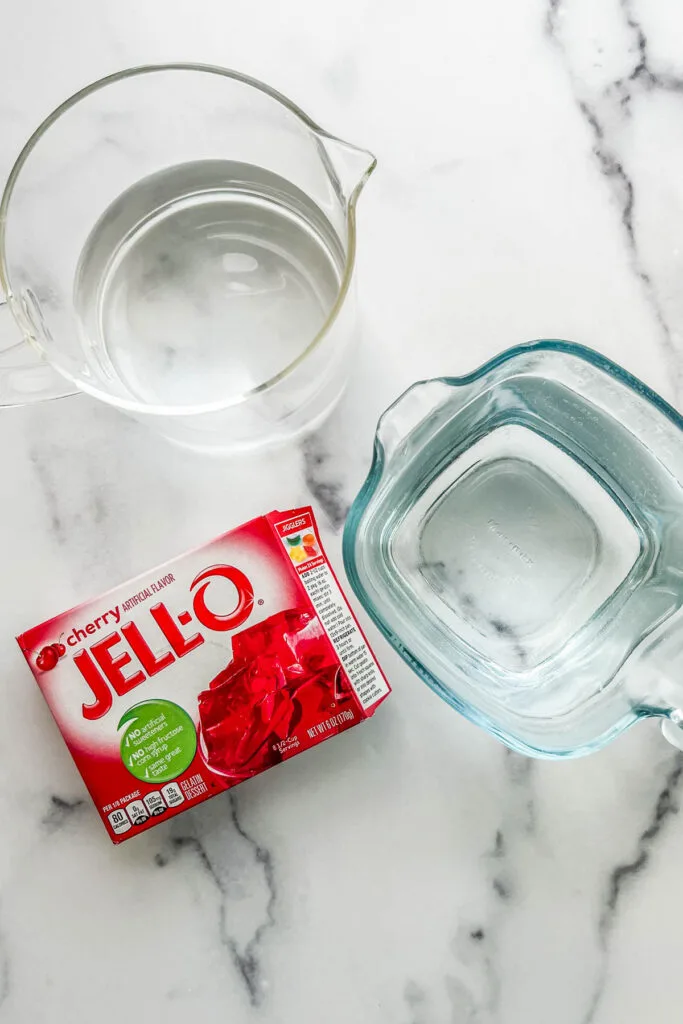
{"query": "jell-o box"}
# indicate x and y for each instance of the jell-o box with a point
(181, 683)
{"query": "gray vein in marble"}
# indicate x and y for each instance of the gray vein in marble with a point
(463, 1006)
(520, 774)
(480, 954)
(623, 874)
(60, 812)
(501, 884)
(41, 463)
(245, 957)
(607, 108)
(666, 806)
(415, 999)
(4, 972)
(643, 70)
(474, 999)
(248, 961)
(551, 16)
(321, 481)
(519, 825)
(613, 169)
(66, 521)
(479, 942)
(474, 989)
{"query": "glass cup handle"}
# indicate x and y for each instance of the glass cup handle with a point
(25, 376)
(410, 409)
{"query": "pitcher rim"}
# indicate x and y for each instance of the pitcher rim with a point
(131, 405)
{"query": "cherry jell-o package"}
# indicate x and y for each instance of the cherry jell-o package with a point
(197, 675)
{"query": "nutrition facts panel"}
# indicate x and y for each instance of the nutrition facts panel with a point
(349, 643)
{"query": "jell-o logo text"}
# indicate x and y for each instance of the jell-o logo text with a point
(105, 665)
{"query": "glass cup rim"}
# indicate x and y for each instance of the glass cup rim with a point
(131, 405)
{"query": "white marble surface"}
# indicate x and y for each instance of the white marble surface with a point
(411, 871)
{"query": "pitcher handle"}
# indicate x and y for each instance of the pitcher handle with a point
(25, 376)
(416, 404)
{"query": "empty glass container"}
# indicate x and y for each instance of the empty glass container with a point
(519, 540)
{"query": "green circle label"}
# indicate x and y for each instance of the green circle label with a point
(160, 740)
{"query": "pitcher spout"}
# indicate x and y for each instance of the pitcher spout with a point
(349, 166)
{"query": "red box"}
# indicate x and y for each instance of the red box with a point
(206, 671)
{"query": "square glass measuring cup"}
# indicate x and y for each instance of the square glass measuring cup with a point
(519, 541)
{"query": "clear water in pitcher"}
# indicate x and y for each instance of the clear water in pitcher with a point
(204, 281)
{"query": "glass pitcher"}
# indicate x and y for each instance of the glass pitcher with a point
(179, 241)
(519, 540)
